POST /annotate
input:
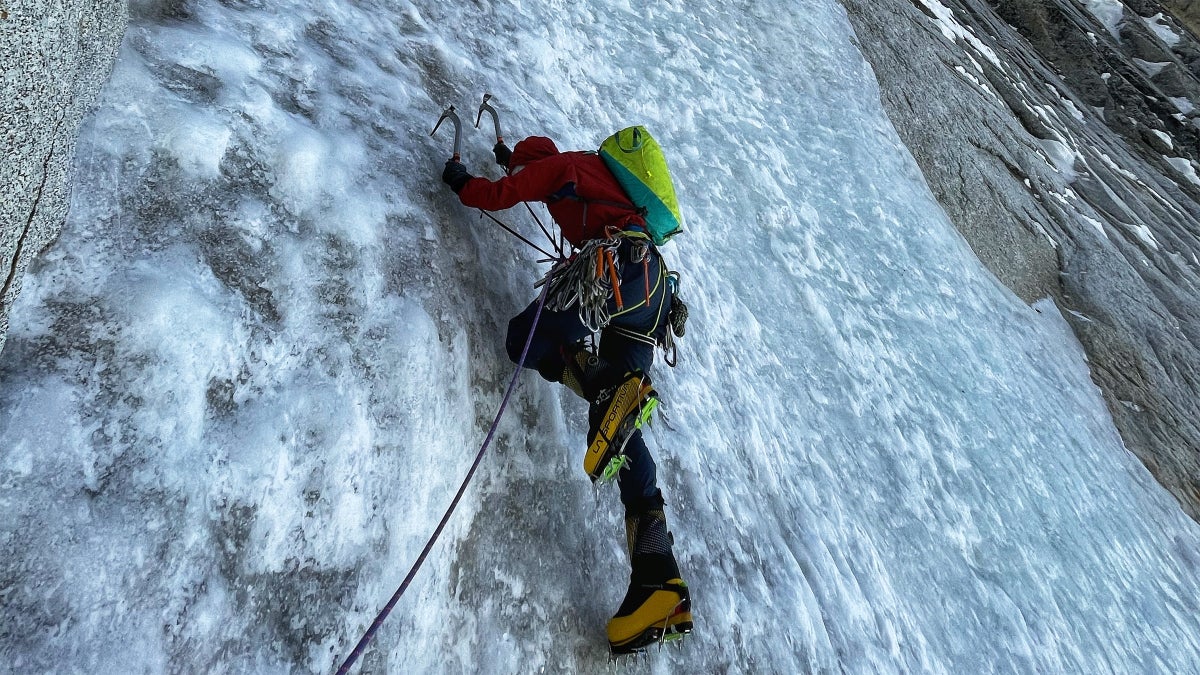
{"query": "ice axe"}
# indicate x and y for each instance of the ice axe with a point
(485, 106)
(495, 117)
(449, 114)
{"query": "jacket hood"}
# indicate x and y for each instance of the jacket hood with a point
(530, 149)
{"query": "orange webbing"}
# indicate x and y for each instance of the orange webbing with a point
(616, 283)
(646, 276)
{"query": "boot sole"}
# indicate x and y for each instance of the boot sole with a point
(679, 626)
(676, 624)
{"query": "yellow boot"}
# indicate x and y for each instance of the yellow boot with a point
(622, 410)
(658, 605)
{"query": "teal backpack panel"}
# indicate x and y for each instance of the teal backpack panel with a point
(637, 162)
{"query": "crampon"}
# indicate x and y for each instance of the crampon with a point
(672, 631)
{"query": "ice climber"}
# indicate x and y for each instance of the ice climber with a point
(597, 218)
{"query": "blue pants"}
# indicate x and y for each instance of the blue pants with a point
(641, 313)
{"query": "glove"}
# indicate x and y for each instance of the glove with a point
(503, 154)
(455, 175)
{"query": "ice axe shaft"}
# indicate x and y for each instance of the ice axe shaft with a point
(449, 114)
(495, 116)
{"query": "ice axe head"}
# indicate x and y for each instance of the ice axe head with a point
(449, 114)
(495, 117)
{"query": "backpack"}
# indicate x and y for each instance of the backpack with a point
(637, 162)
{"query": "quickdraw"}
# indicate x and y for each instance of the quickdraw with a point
(587, 280)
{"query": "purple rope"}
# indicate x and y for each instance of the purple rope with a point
(366, 638)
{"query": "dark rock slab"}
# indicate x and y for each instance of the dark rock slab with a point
(1061, 150)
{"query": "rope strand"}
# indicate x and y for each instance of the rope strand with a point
(412, 573)
(375, 625)
(516, 234)
(557, 242)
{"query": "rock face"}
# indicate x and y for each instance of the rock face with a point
(1062, 140)
(1187, 11)
(56, 54)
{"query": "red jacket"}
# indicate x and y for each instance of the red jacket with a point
(539, 172)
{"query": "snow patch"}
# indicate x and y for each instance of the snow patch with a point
(1116, 168)
(1151, 68)
(1061, 157)
(1099, 226)
(1049, 114)
(1109, 13)
(1163, 137)
(1158, 24)
(1046, 233)
(974, 80)
(1185, 168)
(1081, 316)
(1072, 108)
(1145, 235)
(954, 31)
(1184, 105)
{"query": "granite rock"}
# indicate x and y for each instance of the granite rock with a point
(57, 55)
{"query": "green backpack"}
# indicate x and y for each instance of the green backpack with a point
(634, 157)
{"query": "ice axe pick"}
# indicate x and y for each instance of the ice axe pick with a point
(495, 117)
(449, 114)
